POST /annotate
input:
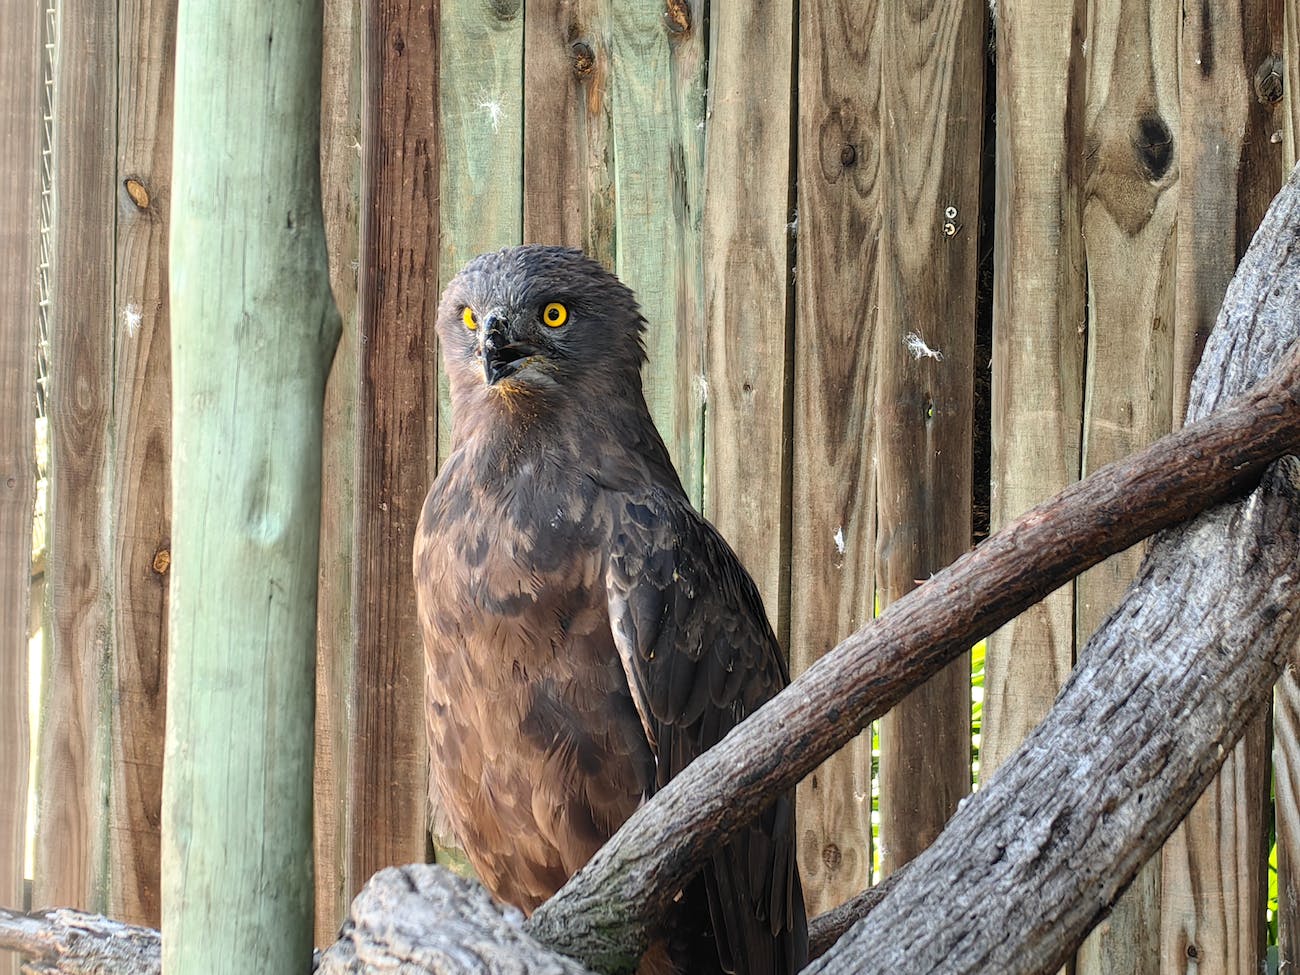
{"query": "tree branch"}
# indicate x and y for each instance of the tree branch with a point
(603, 914)
(75, 943)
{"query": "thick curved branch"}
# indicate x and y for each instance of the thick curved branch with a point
(602, 915)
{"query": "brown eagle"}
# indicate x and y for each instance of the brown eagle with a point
(587, 633)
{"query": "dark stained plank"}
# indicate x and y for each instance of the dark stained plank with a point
(71, 834)
(833, 496)
(932, 115)
(142, 458)
(748, 293)
(336, 624)
(21, 100)
(396, 417)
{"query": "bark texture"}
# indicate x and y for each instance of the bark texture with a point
(75, 943)
(421, 918)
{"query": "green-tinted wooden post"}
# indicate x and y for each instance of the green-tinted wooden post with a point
(253, 331)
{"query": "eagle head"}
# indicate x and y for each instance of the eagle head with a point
(538, 319)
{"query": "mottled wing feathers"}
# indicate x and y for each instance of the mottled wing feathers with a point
(700, 656)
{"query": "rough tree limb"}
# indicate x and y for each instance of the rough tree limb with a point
(75, 943)
(422, 918)
(602, 915)
(1164, 689)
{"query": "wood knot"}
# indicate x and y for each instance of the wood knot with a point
(137, 192)
(1268, 80)
(1154, 145)
(848, 156)
(162, 560)
(832, 857)
(584, 58)
(678, 17)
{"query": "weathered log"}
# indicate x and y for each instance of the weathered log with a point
(76, 943)
(422, 918)
(602, 915)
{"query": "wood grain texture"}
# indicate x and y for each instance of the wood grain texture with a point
(1039, 322)
(336, 639)
(481, 151)
(748, 293)
(932, 113)
(560, 57)
(1286, 746)
(141, 543)
(657, 91)
(1286, 697)
(71, 839)
(833, 498)
(1289, 123)
(1213, 885)
(20, 142)
(480, 163)
(254, 329)
(568, 194)
(1132, 155)
(396, 422)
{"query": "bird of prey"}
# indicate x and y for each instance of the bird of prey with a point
(586, 632)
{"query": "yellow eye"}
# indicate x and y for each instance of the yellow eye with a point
(467, 316)
(555, 314)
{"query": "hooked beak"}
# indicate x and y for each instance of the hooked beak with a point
(502, 358)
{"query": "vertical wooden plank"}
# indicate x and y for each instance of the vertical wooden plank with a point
(481, 149)
(568, 176)
(141, 458)
(1213, 867)
(1286, 785)
(833, 526)
(1039, 318)
(70, 843)
(20, 133)
(657, 72)
(1286, 700)
(558, 56)
(480, 172)
(396, 416)
(747, 291)
(1130, 202)
(336, 640)
(932, 114)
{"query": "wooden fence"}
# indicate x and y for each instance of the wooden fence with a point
(822, 206)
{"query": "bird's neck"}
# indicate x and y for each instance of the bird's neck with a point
(508, 430)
